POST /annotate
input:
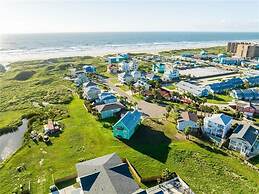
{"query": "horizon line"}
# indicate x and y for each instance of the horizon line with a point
(78, 32)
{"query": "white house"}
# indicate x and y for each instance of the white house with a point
(124, 66)
(187, 119)
(136, 75)
(142, 84)
(91, 92)
(125, 78)
(217, 126)
(133, 65)
(170, 75)
(245, 139)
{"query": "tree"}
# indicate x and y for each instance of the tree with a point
(166, 175)
(187, 131)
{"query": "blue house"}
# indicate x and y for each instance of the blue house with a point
(127, 125)
(81, 78)
(89, 69)
(106, 97)
(124, 55)
(159, 68)
(109, 110)
(230, 61)
(116, 59)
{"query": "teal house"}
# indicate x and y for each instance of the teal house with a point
(158, 68)
(127, 125)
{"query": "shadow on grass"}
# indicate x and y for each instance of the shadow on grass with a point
(150, 142)
(66, 183)
(210, 149)
(254, 160)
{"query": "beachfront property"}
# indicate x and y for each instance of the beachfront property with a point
(159, 68)
(245, 139)
(230, 61)
(170, 75)
(109, 110)
(217, 126)
(88, 84)
(127, 125)
(245, 94)
(173, 186)
(224, 86)
(89, 69)
(187, 119)
(195, 90)
(125, 78)
(91, 93)
(105, 175)
(105, 98)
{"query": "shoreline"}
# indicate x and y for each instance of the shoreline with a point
(100, 53)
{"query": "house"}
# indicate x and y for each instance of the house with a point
(165, 93)
(195, 90)
(188, 119)
(246, 108)
(230, 61)
(223, 86)
(187, 55)
(91, 93)
(133, 65)
(125, 56)
(51, 127)
(112, 68)
(127, 125)
(245, 139)
(170, 75)
(89, 69)
(247, 94)
(88, 84)
(109, 110)
(158, 68)
(116, 59)
(152, 77)
(136, 75)
(217, 126)
(125, 78)
(142, 84)
(105, 175)
(81, 78)
(124, 66)
(105, 98)
(173, 186)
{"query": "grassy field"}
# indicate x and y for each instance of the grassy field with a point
(8, 117)
(171, 87)
(212, 50)
(220, 99)
(155, 146)
(206, 170)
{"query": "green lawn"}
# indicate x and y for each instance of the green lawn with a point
(150, 151)
(8, 117)
(219, 99)
(171, 87)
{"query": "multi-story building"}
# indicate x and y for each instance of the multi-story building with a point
(243, 49)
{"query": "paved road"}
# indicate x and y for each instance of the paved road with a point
(148, 109)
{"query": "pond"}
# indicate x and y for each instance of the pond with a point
(11, 142)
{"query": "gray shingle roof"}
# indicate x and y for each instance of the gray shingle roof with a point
(246, 132)
(106, 175)
(110, 106)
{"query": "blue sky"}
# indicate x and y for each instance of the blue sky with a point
(28, 16)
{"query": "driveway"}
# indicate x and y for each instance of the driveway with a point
(147, 108)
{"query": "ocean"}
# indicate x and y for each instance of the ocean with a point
(15, 47)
